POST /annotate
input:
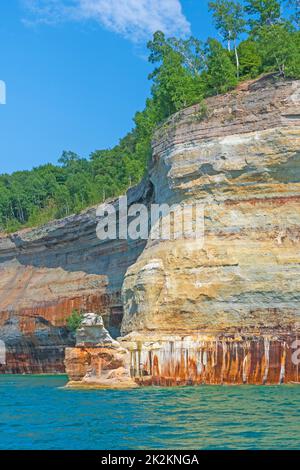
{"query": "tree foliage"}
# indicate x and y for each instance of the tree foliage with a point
(74, 320)
(230, 22)
(220, 73)
(250, 59)
(280, 50)
(263, 13)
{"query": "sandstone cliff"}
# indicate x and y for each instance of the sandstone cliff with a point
(242, 162)
(227, 311)
(45, 273)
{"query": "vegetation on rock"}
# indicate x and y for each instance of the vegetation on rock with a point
(74, 320)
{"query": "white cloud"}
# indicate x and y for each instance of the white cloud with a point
(134, 19)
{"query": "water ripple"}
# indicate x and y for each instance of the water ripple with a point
(36, 413)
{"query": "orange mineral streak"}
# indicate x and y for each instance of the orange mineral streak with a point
(56, 312)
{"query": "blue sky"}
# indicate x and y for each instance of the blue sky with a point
(76, 71)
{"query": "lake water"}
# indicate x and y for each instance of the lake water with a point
(37, 413)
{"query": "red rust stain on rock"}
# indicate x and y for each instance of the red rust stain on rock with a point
(57, 313)
(257, 361)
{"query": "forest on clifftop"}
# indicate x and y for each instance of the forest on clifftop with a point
(254, 37)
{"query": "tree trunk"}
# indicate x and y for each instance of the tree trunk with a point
(237, 60)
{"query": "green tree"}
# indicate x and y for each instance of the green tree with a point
(230, 22)
(220, 73)
(191, 54)
(250, 59)
(280, 50)
(263, 13)
(74, 320)
(175, 83)
(184, 72)
(63, 202)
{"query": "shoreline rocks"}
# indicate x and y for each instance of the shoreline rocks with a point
(97, 361)
(147, 359)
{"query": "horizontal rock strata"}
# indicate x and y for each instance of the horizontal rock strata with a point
(239, 286)
(48, 272)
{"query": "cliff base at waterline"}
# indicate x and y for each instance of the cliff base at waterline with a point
(97, 361)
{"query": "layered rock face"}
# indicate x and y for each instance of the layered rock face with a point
(46, 273)
(223, 309)
(226, 311)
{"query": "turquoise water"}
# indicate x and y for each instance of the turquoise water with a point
(36, 413)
